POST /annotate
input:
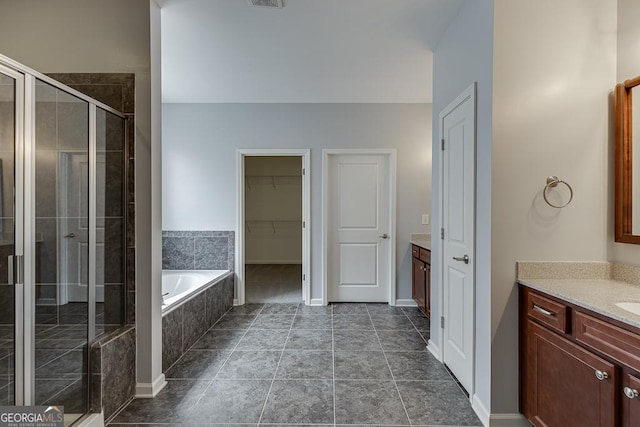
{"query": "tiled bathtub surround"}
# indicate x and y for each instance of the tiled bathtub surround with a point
(198, 250)
(184, 325)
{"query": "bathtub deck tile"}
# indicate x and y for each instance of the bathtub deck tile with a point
(171, 337)
(194, 321)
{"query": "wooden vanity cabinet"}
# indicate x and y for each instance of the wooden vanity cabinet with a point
(577, 368)
(563, 388)
(631, 402)
(421, 278)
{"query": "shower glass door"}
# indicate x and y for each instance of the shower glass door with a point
(62, 238)
(60, 248)
(10, 85)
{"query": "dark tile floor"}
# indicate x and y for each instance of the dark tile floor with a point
(344, 364)
(60, 356)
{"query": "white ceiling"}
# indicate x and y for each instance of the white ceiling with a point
(361, 51)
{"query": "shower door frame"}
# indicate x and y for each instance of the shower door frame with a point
(24, 273)
(18, 242)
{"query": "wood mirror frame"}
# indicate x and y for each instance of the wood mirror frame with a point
(623, 165)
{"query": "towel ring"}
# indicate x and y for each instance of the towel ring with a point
(552, 182)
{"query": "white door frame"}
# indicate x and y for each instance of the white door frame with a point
(305, 155)
(392, 155)
(469, 92)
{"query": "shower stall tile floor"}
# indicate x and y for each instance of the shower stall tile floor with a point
(344, 364)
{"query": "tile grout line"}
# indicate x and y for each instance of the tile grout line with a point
(264, 406)
(393, 377)
(227, 359)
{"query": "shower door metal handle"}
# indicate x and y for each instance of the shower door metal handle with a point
(15, 269)
(10, 269)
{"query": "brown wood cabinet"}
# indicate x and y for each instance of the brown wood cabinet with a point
(577, 367)
(421, 278)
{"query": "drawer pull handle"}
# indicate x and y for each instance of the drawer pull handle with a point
(542, 310)
(601, 375)
(631, 393)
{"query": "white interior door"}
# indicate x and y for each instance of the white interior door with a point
(359, 243)
(458, 279)
(74, 227)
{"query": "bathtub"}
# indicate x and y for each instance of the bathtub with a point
(193, 302)
(179, 285)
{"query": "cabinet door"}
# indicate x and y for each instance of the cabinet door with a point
(562, 389)
(419, 290)
(631, 401)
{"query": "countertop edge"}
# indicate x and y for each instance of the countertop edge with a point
(538, 287)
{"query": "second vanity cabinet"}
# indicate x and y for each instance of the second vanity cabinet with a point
(421, 278)
(578, 368)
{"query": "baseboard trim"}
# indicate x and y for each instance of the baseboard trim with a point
(150, 390)
(481, 411)
(406, 303)
(434, 350)
(316, 301)
(92, 420)
(509, 420)
(235, 301)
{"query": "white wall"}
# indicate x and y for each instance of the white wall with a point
(95, 36)
(465, 55)
(628, 57)
(199, 152)
(554, 69)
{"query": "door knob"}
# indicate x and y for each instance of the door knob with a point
(631, 393)
(384, 236)
(464, 259)
(70, 235)
(601, 375)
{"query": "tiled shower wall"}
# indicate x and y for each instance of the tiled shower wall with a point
(198, 250)
(117, 90)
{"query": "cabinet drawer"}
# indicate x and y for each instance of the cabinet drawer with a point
(425, 255)
(615, 342)
(548, 312)
(415, 251)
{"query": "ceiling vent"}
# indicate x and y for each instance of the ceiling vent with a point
(274, 4)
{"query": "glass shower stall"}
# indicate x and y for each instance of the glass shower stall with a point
(62, 237)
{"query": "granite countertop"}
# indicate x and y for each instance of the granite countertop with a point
(598, 295)
(422, 240)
